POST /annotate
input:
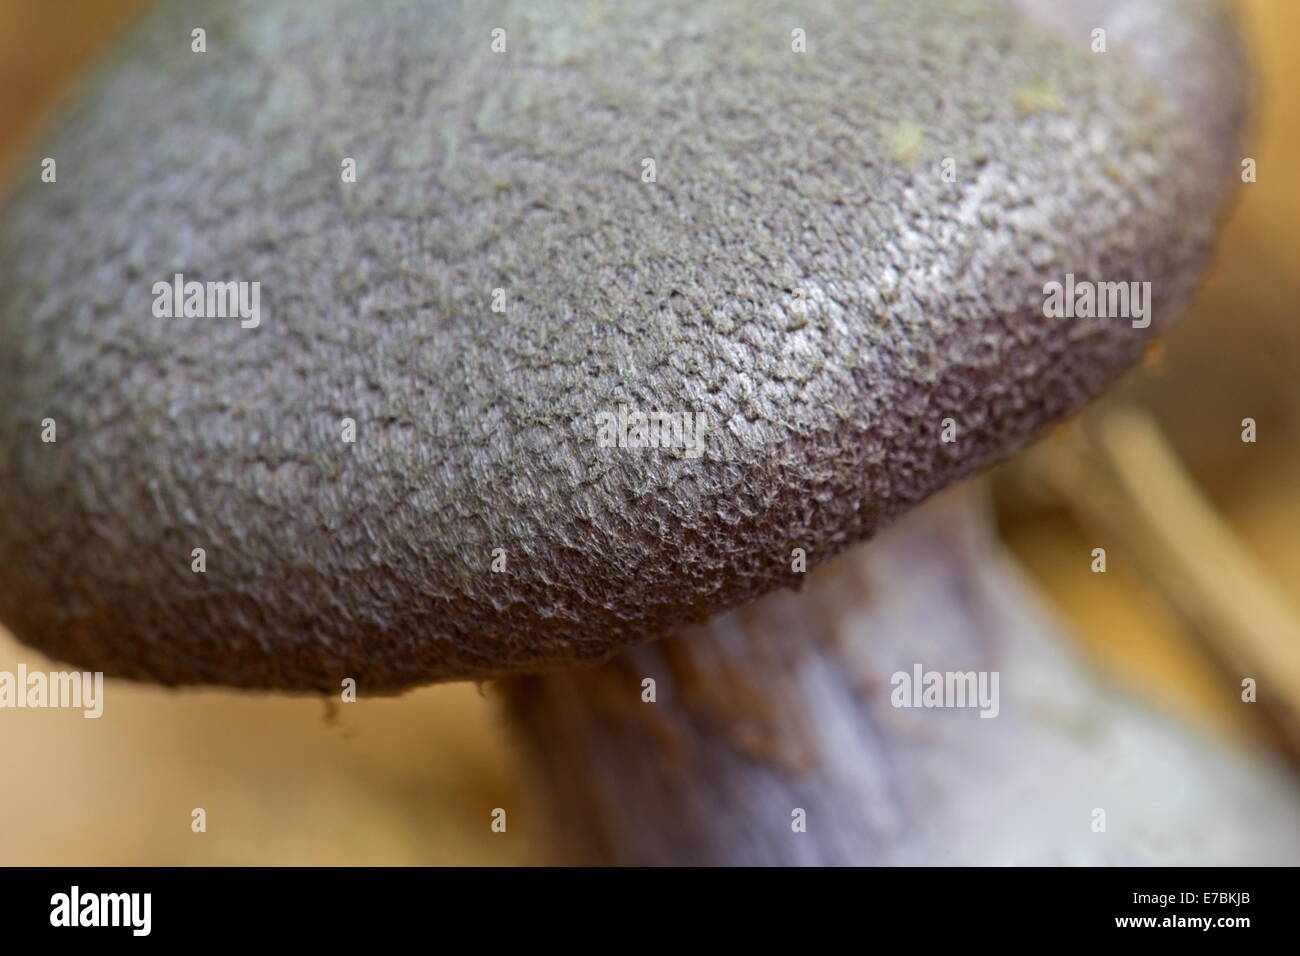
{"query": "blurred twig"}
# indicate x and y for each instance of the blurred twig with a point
(1130, 482)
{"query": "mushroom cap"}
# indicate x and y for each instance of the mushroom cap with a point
(801, 275)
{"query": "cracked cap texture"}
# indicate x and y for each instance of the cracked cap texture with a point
(800, 274)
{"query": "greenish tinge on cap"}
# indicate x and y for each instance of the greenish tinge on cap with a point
(800, 274)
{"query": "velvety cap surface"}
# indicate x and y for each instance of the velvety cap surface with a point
(813, 239)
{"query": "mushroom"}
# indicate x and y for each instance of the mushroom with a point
(353, 329)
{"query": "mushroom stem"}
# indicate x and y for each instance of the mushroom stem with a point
(787, 732)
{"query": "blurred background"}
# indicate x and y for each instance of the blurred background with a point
(1201, 588)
